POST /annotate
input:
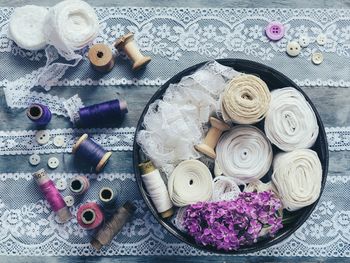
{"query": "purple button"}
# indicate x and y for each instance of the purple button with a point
(274, 30)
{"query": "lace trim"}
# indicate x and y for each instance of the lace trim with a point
(323, 83)
(338, 138)
(23, 142)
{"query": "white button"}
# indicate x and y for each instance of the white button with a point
(34, 159)
(293, 49)
(42, 137)
(58, 141)
(321, 39)
(69, 200)
(53, 162)
(304, 41)
(61, 184)
(317, 58)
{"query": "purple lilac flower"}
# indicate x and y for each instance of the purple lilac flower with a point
(228, 225)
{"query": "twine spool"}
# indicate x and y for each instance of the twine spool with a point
(212, 137)
(87, 149)
(107, 198)
(90, 216)
(52, 195)
(39, 114)
(101, 113)
(101, 57)
(156, 188)
(79, 185)
(105, 235)
(127, 43)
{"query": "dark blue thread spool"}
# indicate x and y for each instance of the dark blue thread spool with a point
(108, 199)
(39, 114)
(87, 149)
(102, 113)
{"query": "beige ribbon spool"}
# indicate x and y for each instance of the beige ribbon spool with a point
(101, 57)
(127, 43)
(212, 137)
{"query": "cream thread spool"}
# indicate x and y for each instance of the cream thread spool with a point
(107, 197)
(212, 137)
(101, 57)
(79, 185)
(127, 43)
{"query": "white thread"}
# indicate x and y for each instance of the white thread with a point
(156, 188)
(244, 153)
(225, 188)
(297, 176)
(290, 122)
(190, 182)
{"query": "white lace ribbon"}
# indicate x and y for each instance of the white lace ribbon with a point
(225, 188)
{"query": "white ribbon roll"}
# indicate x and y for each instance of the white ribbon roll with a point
(189, 183)
(225, 188)
(290, 122)
(245, 100)
(244, 153)
(297, 176)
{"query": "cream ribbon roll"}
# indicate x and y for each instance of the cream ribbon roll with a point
(245, 100)
(244, 153)
(290, 122)
(297, 176)
(189, 183)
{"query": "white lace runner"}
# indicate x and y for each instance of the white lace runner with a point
(23, 142)
(338, 138)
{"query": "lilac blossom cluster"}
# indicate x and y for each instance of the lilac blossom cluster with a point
(230, 224)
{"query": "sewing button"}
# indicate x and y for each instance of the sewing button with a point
(274, 30)
(53, 162)
(58, 141)
(293, 49)
(304, 41)
(34, 159)
(42, 137)
(61, 184)
(69, 200)
(317, 58)
(321, 39)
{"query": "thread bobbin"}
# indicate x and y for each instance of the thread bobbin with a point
(38, 113)
(79, 185)
(101, 57)
(212, 137)
(90, 216)
(107, 197)
(127, 43)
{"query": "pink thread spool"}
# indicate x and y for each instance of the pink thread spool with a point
(90, 216)
(79, 185)
(52, 195)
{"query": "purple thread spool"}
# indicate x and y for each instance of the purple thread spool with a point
(105, 112)
(87, 149)
(40, 114)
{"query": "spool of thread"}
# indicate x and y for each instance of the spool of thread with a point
(52, 195)
(105, 235)
(157, 189)
(79, 185)
(127, 43)
(101, 57)
(40, 114)
(212, 137)
(107, 197)
(90, 216)
(87, 149)
(102, 113)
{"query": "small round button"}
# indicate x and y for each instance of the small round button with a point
(34, 159)
(304, 41)
(42, 137)
(293, 49)
(61, 184)
(317, 58)
(274, 30)
(69, 200)
(58, 141)
(53, 162)
(321, 39)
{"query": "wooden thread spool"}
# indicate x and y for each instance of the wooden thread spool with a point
(101, 57)
(127, 43)
(212, 137)
(88, 216)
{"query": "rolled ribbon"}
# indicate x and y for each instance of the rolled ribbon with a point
(244, 153)
(297, 176)
(290, 121)
(189, 183)
(225, 188)
(245, 100)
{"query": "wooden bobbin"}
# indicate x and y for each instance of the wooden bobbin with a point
(127, 43)
(34, 112)
(88, 216)
(101, 57)
(212, 137)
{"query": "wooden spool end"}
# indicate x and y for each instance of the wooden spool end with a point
(34, 112)
(101, 57)
(103, 161)
(140, 63)
(79, 142)
(220, 125)
(168, 213)
(205, 149)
